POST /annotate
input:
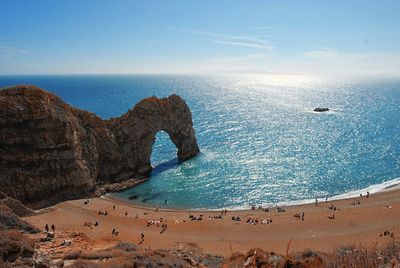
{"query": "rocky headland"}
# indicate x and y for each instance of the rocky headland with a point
(50, 150)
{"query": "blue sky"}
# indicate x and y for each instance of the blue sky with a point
(104, 36)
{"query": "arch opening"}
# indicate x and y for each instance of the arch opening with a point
(163, 153)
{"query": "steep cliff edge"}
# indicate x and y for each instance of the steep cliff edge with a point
(49, 149)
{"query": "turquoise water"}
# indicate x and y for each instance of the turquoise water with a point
(260, 141)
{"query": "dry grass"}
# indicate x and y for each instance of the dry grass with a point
(126, 255)
(345, 257)
(14, 245)
(129, 255)
(9, 220)
(363, 257)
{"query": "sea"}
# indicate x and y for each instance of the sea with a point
(261, 142)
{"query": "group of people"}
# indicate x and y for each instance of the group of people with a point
(255, 221)
(299, 216)
(387, 233)
(141, 238)
(194, 218)
(217, 217)
(163, 228)
(366, 195)
(53, 228)
(154, 222)
(237, 218)
(251, 220)
(91, 225)
(115, 232)
(104, 213)
(253, 207)
(279, 209)
(266, 221)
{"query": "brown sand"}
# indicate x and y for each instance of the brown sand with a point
(353, 225)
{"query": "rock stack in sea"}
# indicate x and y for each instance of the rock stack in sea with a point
(51, 150)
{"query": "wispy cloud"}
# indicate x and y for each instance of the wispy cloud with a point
(8, 50)
(267, 29)
(264, 28)
(254, 44)
(321, 52)
(230, 39)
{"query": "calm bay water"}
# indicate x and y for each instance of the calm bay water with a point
(260, 141)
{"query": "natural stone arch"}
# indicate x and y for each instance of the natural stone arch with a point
(150, 116)
(51, 150)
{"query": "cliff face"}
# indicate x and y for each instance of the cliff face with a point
(49, 149)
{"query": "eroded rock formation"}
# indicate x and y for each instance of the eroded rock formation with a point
(321, 109)
(51, 149)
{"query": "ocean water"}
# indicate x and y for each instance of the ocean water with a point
(260, 141)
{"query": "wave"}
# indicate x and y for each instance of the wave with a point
(375, 188)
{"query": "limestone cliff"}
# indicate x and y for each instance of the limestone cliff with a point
(50, 149)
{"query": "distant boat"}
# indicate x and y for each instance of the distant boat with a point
(319, 109)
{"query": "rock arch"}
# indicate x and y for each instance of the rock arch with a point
(49, 149)
(150, 116)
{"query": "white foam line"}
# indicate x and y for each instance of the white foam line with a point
(376, 188)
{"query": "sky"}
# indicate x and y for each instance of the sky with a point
(188, 37)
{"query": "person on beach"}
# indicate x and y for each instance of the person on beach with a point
(302, 216)
(53, 228)
(367, 194)
(163, 228)
(46, 227)
(316, 202)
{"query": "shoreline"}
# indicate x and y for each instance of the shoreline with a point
(389, 185)
(354, 224)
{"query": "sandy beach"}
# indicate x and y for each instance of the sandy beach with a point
(354, 224)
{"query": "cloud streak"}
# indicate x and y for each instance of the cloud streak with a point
(267, 29)
(231, 39)
(245, 44)
(8, 50)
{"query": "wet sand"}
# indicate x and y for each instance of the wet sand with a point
(353, 225)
